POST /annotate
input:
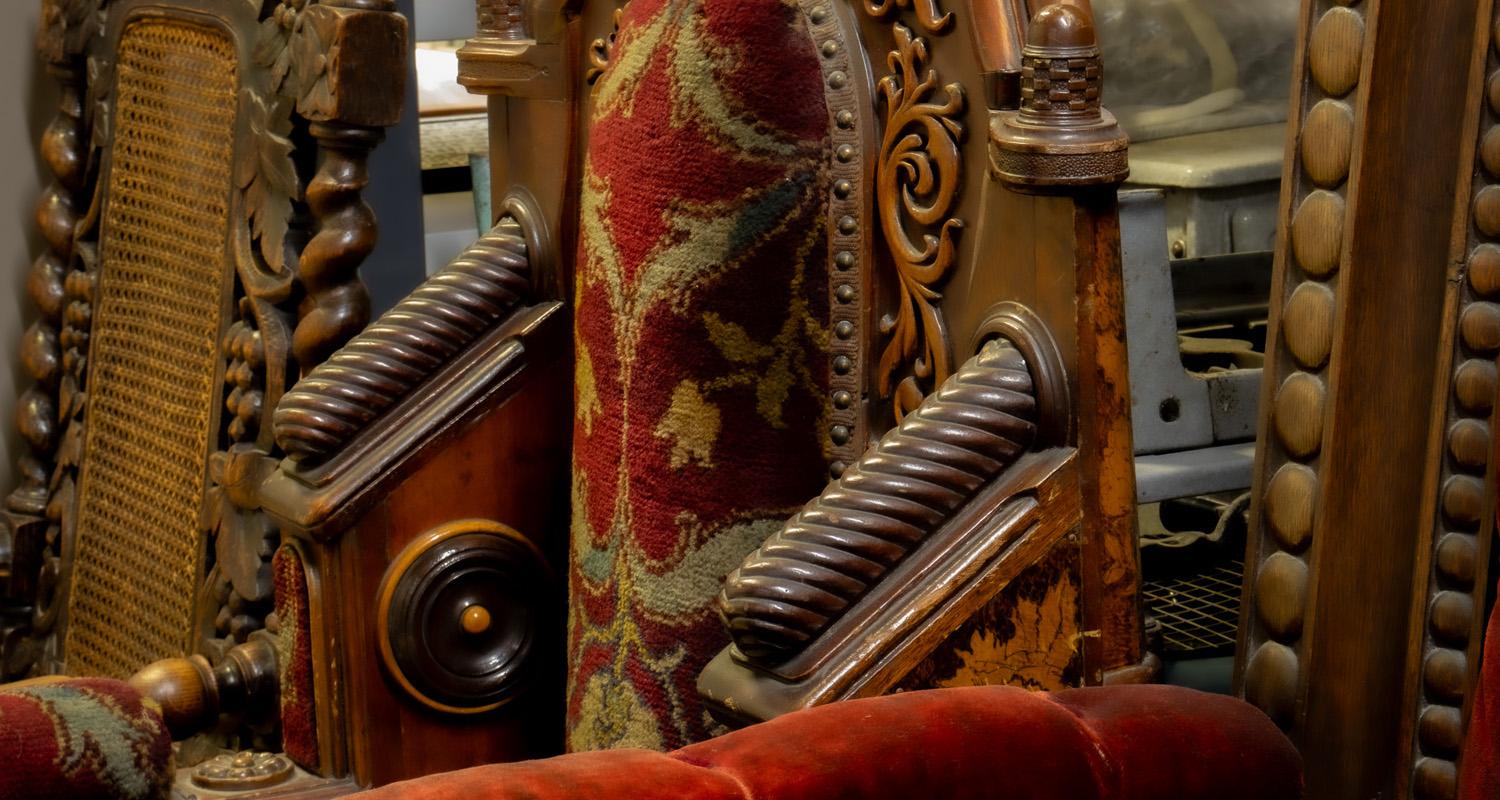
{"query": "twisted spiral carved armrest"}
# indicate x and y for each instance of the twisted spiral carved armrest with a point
(830, 553)
(385, 362)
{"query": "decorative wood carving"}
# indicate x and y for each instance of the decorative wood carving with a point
(1336, 640)
(1027, 636)
(340, 63)
(1450, 598)
(392, 357)
(1285, 508)
(886, 504)
(337, 305)
(929, 14)
(457, 615)
(349, 94)
(603, 48)
(506, 19)
(917, 178)
(846, 90)
(66, 26)
(1061, 136)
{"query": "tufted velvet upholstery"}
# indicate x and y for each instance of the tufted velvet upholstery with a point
(976, 743)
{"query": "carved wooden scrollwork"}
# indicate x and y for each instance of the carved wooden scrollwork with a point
(391, 357)
(827, 556)
(917, 187)
(929, 14)
(601, 49)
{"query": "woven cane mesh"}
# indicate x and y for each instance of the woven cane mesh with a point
(153, 355)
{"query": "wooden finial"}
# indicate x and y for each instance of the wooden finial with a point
(1061, 136)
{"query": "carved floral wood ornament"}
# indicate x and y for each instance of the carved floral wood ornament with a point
(928, 13)
(294, 276)
(917, 185)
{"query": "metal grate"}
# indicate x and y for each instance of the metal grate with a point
(153, 373)
(1199, 613)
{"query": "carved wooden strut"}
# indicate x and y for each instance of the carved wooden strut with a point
(827, 556)
(395, 354)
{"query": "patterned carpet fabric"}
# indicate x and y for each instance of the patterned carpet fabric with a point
(83, 739)
(299, 726)
(702, 346)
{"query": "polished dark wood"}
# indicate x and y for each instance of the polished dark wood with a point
(840, 622)
(1343, 514)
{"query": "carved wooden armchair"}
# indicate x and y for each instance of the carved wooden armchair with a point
(786, 277)
(203, 232)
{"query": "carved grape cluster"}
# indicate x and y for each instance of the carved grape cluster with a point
(246, 352)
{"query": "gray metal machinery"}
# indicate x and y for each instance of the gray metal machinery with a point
(1202, 89)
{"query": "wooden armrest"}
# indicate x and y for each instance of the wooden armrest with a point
(415, 378)
(909, 542)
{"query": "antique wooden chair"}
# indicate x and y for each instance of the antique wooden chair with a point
(203, 231)
(424, 498)
(1370, 560)
(879, 270)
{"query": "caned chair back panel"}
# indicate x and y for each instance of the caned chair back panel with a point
(164, 285)
(203, 232)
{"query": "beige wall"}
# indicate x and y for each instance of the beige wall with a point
(26, 97)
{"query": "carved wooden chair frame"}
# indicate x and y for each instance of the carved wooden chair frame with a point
(946, 124)
(309, 112)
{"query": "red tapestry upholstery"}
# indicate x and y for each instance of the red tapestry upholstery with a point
(83, 739)
(299, 725)
(976, 743)
(1479, 769)
(702, 337)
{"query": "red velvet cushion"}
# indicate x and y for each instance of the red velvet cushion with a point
(977, 743)
(83, 739)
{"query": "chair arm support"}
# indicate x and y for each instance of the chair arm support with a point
(192, 694)
(386, 362)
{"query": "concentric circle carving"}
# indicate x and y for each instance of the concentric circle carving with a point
(1298, 414)
(1327, 140)
(1335, 50)
(1318, 233)
(432, 601)
(1307, 324)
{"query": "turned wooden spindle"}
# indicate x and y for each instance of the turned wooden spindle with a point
(193, 694)
(63, 149)
(337, 305)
